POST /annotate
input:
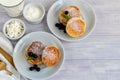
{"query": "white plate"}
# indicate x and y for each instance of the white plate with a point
(86, 10)
(23, 66)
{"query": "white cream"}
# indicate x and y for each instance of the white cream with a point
(14, 29)
(33, 13)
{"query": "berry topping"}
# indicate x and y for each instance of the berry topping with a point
(64, 31)
(66, 12)
(31, 68)
(35, 66)
(34, 56)
(30, 54)
(60, 26)
(57, 24)
(37, 69)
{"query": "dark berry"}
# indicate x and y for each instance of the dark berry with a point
(34, 56)
(64, 31)
(61, 28)
(66, 12)
(37, 69)
(30, 54)
(31, 68)
(57, 24)
(35, 66)
(62, 25)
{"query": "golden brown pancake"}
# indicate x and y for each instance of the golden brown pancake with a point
(76, 27)
(73, 11)
(36, 48)
(51, 56)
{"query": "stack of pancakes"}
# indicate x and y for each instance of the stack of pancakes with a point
(48, 55)
(71, 17)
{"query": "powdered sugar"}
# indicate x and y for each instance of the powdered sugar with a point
(36, 47)
(76, 26)
(49, 54)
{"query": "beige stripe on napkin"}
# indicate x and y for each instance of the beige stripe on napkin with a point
(7, 56)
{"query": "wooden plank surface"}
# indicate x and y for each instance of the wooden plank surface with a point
(94, 58)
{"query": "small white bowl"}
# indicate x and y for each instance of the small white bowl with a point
(4, 29)
(40, 6)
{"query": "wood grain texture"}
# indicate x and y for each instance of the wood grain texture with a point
(94, 58)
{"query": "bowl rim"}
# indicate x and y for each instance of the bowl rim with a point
(62, 61)
(34, 4)
(70, 40)
(14, 19)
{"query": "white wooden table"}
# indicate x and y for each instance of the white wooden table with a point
(94, 58)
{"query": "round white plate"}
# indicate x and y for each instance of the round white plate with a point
(86, 10)
(23, 66)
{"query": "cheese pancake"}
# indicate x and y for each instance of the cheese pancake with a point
(51, 56)
(76, 27)
(67, 13)
(34, 52)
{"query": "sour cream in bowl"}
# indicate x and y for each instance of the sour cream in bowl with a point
(14, 29)
(34, 13)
